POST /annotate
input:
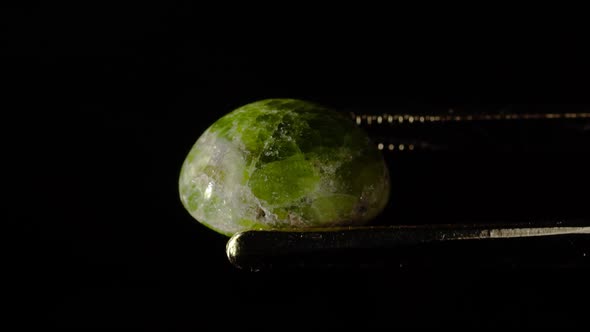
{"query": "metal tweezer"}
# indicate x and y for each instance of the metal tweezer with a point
(558, 244)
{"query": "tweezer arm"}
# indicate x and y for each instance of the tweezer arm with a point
(409, 245)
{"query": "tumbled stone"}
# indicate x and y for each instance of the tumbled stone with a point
(283, 164)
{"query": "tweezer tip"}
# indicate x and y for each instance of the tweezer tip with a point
(231, 248)
(234, 249)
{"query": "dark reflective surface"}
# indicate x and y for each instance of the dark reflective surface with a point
(102, 105)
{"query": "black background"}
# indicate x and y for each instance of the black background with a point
(103, 103)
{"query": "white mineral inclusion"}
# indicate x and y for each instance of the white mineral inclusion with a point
(223, 198)
(283, 164)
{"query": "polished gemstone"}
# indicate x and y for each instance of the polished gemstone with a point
(283, 164)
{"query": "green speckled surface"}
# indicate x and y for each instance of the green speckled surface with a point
(283, 164)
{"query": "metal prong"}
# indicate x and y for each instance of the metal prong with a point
(430, 245)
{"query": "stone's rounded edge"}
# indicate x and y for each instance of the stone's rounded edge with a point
(207, 138)
(217, 230)
(387, 176)
(302, 102)
(384, 200)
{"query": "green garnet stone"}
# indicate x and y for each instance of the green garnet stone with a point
(283, 164)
